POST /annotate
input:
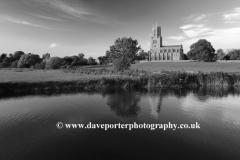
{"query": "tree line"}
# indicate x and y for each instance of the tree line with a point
(124, 52)
(202, 50)
(22, 60)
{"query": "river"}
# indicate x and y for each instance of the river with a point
(35, 127)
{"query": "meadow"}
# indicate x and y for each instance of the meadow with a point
(28, 75)
(90, 72)
(195, 67)
(141, 75)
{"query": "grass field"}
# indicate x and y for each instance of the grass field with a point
(27, 75)
(41, 76)
(189, 66)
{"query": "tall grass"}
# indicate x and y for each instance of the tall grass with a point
(132, 80)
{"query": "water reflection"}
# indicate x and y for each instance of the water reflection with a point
(204, 93)
(155, 102)
(124, 104)
(30, 121)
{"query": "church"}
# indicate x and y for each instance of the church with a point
(158, 52)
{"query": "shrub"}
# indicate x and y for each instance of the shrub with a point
(53, 63)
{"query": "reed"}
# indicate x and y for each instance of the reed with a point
(132, 79)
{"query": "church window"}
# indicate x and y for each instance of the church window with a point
(174, 50)
(154, 41)
(177, 50)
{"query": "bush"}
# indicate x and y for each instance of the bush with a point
(14, 64)
(53, 63)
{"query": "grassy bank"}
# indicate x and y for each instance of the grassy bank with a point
(90, 80)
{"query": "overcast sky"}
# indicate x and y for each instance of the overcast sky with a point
(69, 27)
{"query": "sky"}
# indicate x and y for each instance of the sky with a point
(69, 27)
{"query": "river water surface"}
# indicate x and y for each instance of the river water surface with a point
(28, 125)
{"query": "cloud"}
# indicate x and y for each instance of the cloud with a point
(54, 45)
(199, 18)
(69, 11)
(232, 17)
(48, 18)
(194, 18)
(224, 38)
(178, 38)
(77, 10)
(222, 29)
(188, 26)
(13, 20)
(194, 30)
(188, 18)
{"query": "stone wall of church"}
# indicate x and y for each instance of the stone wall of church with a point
(165, 56)
(166, 53)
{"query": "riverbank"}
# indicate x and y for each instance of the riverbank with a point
(90, 80)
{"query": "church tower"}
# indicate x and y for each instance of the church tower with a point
(156, 38)
(158, 52)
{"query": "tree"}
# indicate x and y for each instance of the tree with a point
(142, 55)
(2, 57)
(11, 58)
(5, 62)
(103, 60)
(124, 47)
(75, 60)
(14, 64)
(124, 104)
(40, 65)
(18, 54)
(81, 55)
(53, 63)
(46, 56)
(220, 54)
(91, 61)
(234, 54)
(202, 50)
(121, 63)
(67, 60)
(184, 57)
(28, 60)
